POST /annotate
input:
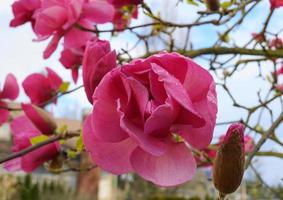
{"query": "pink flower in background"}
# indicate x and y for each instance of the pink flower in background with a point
(97, 61)
(276, 3)
(123, 16)
(56, 18)
(249, 144)
(279, 71)
(124, 12)
(23, 11)
(276, 43)
(41, 88)
(142, 108)
(74, 47)
(22, 131)
(41, 119)
(258, 37)
(9, 91)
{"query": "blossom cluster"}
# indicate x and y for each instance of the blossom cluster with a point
(68, 20)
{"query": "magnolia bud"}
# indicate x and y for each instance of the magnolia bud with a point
(41, 119)
(212, 5)
(228, 168)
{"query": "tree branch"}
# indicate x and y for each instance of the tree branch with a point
(50, 140)
(263, 138)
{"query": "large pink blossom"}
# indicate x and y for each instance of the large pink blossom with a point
(276, 3)
(41, 88)
(23, 11)
(98, 60)
(22, 131)
(9, 91)
(55, 18)
(140, 111)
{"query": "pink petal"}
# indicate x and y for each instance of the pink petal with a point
(174, 167)
(176, 90)
(69, 59)
(54, 79)
(112, 157)
(10, 89)
(200, 137)
(4, 113)
(153, 145)
(97, 61)
(76, 38)
(75, 74)
(22, 130)
(13, 165)
(39, 122)
(98, 11)
(38, 88)
(161, 119)
(105, 114)
(33, 160)
(74, 9)
(23, 11)
(49, 20)
(53, 44)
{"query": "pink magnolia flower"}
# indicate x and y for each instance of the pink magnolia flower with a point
(56, 18)
(22, 131)
(249, 144)
(276, 3)
(74, 47)
(276, 43)
(23, 11)
(124, 12)
(123, 16)
(41, 88)
(120, 3)
(98, 60)
(9, 91)
(278, 73)
(258, 37)
(41, 119)
(142, 108)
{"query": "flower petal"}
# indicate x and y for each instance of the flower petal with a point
(176, 90)
(174, 167)
(10, 89)
(200, 137)
(4, 113)
(98, 11)
(112, 157)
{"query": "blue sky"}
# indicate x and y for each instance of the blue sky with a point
(18, 54)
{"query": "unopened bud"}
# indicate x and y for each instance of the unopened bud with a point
(40, 118)
(212, 5)
(228, 168)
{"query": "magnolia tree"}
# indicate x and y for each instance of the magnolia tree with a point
(154, 107)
